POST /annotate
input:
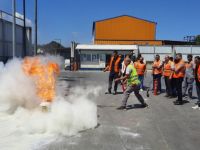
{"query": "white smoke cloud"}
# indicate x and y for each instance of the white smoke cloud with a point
(21, 116)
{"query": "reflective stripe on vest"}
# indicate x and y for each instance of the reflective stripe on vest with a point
(157, 64)
(133, 77)
(140, 67)
(181, 72)
(116, 65)
(167, 69)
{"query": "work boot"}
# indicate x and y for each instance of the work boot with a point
(121, 108)
(145, 105)
(177, 102)
(109, 92)
(166, 95)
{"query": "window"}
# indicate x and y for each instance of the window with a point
(102, 57)
(88, 57)
(95, 57)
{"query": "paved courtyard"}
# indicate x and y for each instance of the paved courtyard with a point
(162, 126)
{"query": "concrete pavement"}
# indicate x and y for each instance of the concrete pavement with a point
(162, 126)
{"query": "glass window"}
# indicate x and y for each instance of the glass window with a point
(95, 57)
(88, 57)
(102, 57)
(83, 57)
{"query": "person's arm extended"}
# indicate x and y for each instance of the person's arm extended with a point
(122, 78)
(106, 69)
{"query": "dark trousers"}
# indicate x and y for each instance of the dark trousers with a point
(158, 78)
(112, 76)
(141, 78)
(198, 91)
(188, 85)
(178, 86)
(174, 93)
(168, 84)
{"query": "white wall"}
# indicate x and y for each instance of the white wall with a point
(148, 52)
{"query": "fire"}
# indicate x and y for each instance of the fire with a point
(44, 76)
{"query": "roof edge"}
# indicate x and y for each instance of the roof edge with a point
(125, 16)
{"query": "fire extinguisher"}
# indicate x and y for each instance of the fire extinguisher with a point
(123, 87)
(155, 86)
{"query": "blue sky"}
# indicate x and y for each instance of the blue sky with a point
(72, 19)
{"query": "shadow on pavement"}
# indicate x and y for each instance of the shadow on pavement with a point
(104, 106)
(135, 106)
(67, 79)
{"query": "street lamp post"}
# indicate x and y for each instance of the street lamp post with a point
(36, 17)
(24, 29)
(14, 27)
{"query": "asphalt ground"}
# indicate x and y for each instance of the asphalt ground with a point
(162, 126)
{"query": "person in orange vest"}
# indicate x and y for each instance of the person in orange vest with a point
(197, 79)
(189, 77)
(178, 75)
(157, 72)
(114, 68)
(167, 73)
(138, 58)
(172, 79)
(141, 70)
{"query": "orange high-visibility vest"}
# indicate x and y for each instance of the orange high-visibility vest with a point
(140, 67)
(181, 72)
(116, 65)
(157, 64)
(198, 73)
(167, 69)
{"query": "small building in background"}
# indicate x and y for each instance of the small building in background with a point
(96, 57)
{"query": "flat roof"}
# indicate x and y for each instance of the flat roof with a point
(106, 47)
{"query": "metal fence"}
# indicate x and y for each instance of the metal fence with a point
(6, 37)
(148, 52)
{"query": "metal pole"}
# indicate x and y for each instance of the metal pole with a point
(24, 29)
(35, 46)
(14, 27)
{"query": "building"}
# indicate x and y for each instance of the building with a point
(123, 33)
(96, 57)
(6, 50)
(125, 30)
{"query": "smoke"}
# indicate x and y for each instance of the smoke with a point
(16, 89)
(21, 115)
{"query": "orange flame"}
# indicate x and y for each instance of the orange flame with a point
(44, 76)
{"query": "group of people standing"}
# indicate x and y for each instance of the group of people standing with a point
(179, 76)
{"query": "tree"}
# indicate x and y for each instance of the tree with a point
(197, 40)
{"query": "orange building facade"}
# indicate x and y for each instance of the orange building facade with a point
(125, 30)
